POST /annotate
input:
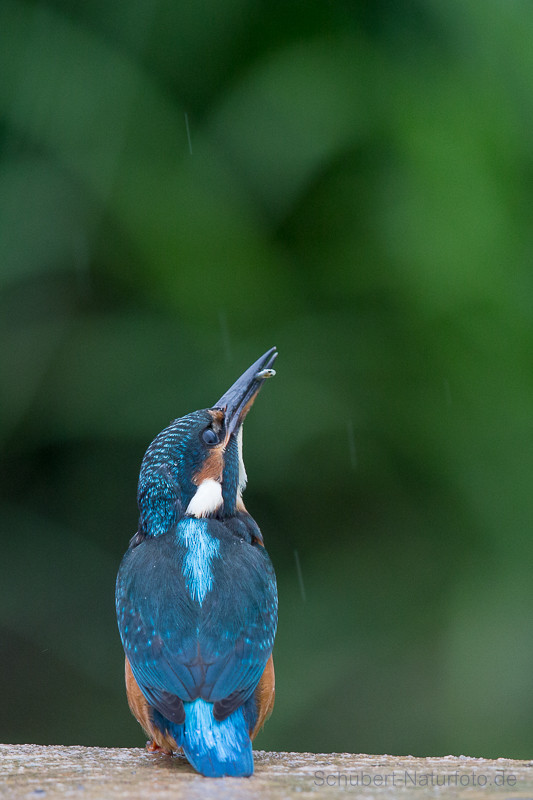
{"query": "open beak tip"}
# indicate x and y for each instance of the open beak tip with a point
(239, 398)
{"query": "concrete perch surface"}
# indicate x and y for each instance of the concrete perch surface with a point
(57, 772)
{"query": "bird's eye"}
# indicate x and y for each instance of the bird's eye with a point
(209, 436)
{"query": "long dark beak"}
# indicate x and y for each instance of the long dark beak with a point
(237, 401)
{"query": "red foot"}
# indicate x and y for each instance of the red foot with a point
(152, 747)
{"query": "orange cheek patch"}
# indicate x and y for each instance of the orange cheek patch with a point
(212, 467)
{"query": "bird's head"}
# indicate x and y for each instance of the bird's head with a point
(194, 467)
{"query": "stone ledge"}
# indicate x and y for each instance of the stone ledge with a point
(57, 772)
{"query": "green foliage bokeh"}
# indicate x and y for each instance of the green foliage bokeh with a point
(183, 186)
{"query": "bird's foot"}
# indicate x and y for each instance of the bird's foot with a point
(152, 747)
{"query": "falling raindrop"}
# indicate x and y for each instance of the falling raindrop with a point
(299, 573)
(188, 132)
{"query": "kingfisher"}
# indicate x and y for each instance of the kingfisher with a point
(196, 595)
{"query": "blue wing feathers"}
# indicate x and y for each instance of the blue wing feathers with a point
(197, 611)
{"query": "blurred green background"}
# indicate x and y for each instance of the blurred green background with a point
(182, 186)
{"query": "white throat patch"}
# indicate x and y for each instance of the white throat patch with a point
(242, 471)
(206, 499)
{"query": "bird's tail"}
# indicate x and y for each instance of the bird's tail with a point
(216, 748)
